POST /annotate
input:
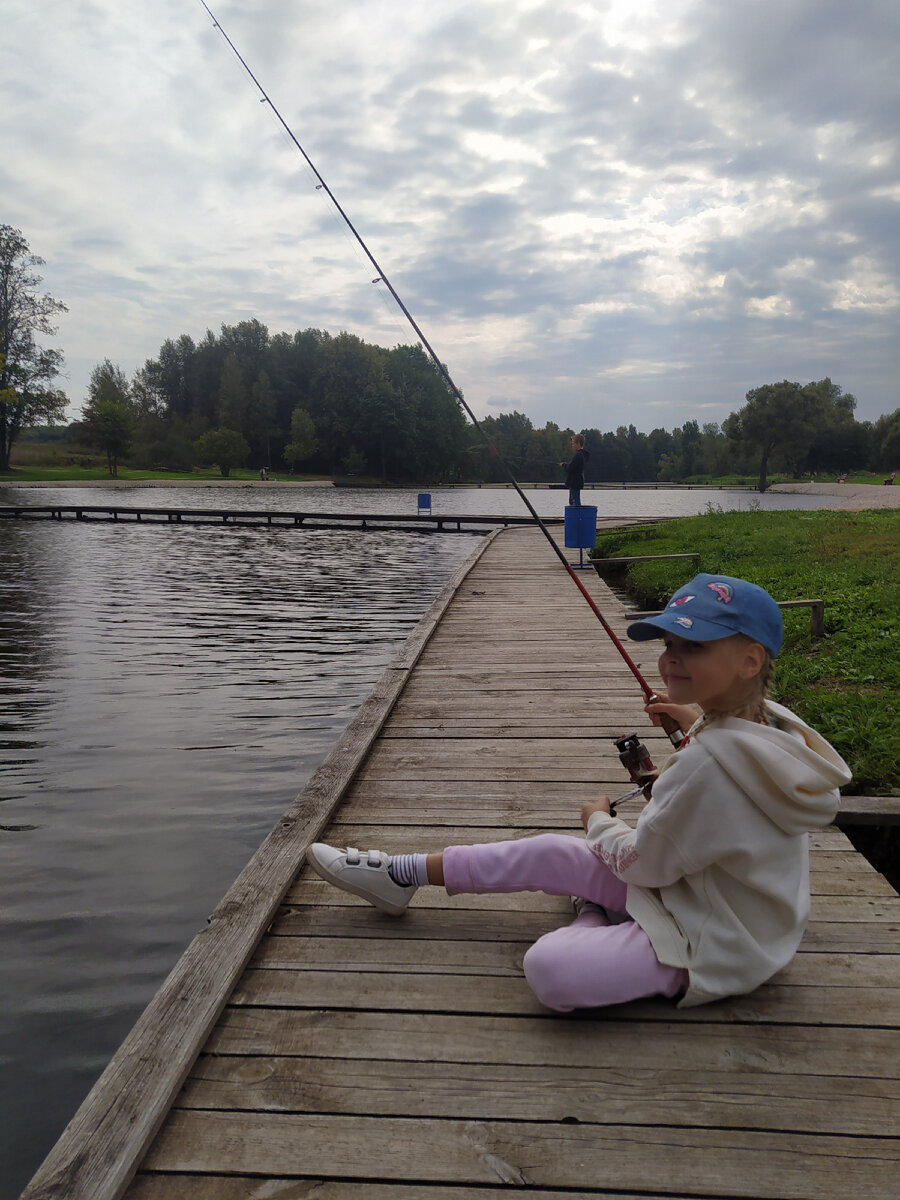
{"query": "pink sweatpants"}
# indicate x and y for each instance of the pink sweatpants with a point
(596, 960)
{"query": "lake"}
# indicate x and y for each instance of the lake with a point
(165, 691)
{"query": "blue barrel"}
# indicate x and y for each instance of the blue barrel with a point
(581, 526)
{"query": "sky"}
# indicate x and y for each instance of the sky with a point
(603, 213)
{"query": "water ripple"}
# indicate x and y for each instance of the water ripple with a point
(164, 694)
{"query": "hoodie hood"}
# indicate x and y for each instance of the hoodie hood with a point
(790, 772)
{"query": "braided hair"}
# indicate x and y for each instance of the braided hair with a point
(753, 705)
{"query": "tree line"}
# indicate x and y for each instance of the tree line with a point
(336, 405)
(798, 429)
(332, 405)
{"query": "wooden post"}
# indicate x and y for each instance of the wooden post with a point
(816, 614)
(608, 562)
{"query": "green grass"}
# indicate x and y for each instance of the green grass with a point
(846, 684)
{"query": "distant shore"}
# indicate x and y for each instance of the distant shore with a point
(853, 496)
(166, 483)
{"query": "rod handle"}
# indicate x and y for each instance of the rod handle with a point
(672, 728)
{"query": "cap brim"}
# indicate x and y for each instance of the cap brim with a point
(674, 622)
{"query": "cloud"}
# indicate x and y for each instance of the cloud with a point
(590, 208)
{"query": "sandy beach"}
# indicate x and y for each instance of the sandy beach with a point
(854, 496)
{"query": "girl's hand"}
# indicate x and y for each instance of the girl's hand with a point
(684, 714)
(588, 810)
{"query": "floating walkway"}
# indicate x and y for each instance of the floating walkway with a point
(308, 1046)
(371, 522)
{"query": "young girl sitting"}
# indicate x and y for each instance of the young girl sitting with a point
(709, 895)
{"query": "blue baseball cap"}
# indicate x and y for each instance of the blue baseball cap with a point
(716, 606)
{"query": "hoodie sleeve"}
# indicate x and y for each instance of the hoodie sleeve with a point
(634, 857)
(711, 797)
(668, 842)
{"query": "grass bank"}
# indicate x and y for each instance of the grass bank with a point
(845, 684)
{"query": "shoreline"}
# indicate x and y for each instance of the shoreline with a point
(854, 496)
(166, 483)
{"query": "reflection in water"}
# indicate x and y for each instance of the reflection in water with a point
(164, 694)
(504, 501)
(29, 593)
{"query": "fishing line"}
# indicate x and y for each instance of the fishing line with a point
(380, 277)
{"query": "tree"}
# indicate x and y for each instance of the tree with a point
(108, 417)
(641, 460)
(691, 445)
(303, 443)
(226, 448)
(170, 377)
(348, 368)
(839, 442)
(886, 441)
(263, 414)
(715, 449)
(430, 442)
(772, 417)
(233, 396)
(354, 461)
(26, 370)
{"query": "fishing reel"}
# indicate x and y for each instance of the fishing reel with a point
(642, 771)
(635, 758)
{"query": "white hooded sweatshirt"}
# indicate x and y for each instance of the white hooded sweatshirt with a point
(718, 865)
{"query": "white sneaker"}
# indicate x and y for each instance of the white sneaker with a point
(365, 876)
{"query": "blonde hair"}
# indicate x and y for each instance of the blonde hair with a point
(753, 705)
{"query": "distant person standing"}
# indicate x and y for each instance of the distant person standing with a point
(575, 470)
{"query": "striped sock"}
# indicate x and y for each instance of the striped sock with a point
(408, 870)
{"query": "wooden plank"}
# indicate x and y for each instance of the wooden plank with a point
(839, 882)
(869, 810)
(833, 936)
(591, 1042)
(825, 840)
(777, 1002)
(238, 1187)
(102, 1144)
(390, 955)
(680, 1095)
(782, 1166)
(398, 750)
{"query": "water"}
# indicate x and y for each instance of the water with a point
(165, 691)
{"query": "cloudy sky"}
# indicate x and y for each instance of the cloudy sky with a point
(600, 213)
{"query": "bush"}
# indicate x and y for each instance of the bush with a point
(224, 448)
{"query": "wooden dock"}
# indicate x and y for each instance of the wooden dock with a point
(308, 1046)
(418, 522)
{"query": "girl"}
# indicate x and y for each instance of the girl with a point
(709, 895)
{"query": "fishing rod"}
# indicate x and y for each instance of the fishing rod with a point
(671, 728)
